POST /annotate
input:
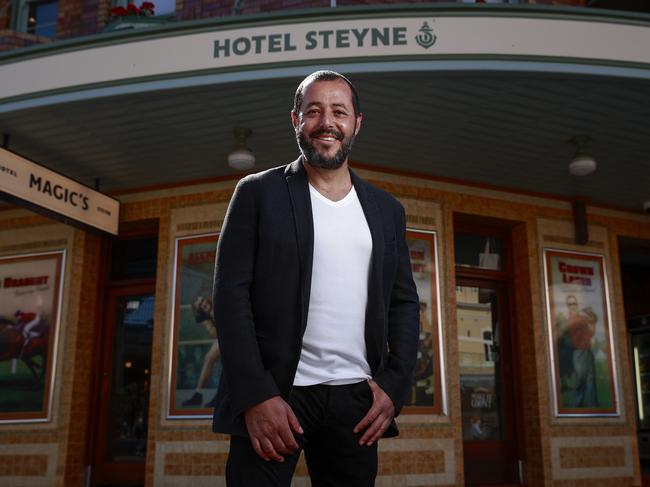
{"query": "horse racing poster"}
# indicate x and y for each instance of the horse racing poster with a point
(196, 360)
(580, 336)
(426, 394)
(30, 301)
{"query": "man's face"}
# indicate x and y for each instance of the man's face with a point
(572, 304)
(203, 304)
(326, 124)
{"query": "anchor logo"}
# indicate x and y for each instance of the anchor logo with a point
(426, 38)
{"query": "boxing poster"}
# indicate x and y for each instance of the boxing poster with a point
(30, 303)
(426, 394)
(582, 351)
(196, 360)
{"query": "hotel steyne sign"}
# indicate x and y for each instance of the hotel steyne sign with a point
(179, 53)
(48, 192)
(358, 38)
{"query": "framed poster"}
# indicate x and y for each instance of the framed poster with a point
(30, 306)
(427, 389)
(196, 361)
(580, 336)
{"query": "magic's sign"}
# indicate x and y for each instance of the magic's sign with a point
(27, 183)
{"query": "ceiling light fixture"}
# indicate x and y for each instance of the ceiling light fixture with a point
(582, 164)
(241, 157)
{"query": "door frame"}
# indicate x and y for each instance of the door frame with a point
(503, 282)
(508, 423)
(113, 472)
(127, 231)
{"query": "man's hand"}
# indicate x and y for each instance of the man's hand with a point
(378, 417)
(210, 327)
(269, 425)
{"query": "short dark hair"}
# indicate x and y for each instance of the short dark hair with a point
(325, 75)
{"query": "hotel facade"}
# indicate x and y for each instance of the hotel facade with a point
(515, 134)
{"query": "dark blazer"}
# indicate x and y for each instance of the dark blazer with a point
(262, 285)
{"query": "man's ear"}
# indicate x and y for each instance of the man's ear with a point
(294, 119)
(359, 119)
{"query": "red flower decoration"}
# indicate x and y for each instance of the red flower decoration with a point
(118, 12)
(145, 9)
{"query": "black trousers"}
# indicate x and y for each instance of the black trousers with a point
(334, 458)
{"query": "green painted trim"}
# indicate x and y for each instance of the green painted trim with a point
(327, 14)
(473, 64)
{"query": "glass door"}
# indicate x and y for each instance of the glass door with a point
(125, 379)
(485, 383)
(640, 346)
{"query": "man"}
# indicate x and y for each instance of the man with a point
(203, 315)
(315, 306)
(581, 326)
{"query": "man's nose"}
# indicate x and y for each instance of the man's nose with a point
(327, 119)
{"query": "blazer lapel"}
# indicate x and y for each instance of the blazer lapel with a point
(298, 185)
(374, 332)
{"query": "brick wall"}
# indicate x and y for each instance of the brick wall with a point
(10, 39)
(429, 449)
(202, 9)
(590, 452)
(87, 17)
(193, 9)
(81, 17)
(5, 18)
(52, 453)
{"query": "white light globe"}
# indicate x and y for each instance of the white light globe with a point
(582, 165)
(241, 159)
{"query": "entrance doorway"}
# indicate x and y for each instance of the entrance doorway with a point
(123, 410)
(123, 365)
(487, 362)
(635, 274)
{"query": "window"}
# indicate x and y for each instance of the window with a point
(165, 7)
(39, 18)
(480, 251)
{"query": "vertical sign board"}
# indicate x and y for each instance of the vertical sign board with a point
(47, 192)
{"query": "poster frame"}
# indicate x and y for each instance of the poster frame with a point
(440, 390)
(172, 411)
(45, 414)
(439, 408)
(558, 410)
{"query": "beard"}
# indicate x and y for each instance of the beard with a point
(315, 158)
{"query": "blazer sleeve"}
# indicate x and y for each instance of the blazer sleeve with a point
(403, 325)
(247, 381)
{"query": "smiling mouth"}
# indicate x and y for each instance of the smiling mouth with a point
(327, 139)
(327, 136)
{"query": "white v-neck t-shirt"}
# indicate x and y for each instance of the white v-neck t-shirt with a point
(334, 346)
